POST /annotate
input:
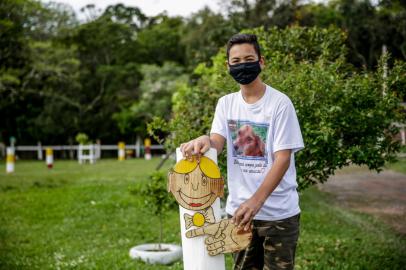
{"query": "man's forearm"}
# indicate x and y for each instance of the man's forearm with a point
(217, 142)
(216, 146)
(273, 178)
(248, 209)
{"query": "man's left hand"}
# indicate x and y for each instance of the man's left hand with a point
(246, 212)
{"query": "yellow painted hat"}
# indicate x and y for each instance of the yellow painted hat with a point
(208, 167)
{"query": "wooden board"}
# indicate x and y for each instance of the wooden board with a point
(222, 237)
(199, 218)
(196, 184)
(195, 255)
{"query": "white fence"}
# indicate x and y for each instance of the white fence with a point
(75, 148)
(89, 153)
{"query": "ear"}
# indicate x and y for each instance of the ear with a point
(262, 62)
(227, 65)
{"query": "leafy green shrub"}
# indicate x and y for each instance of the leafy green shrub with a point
(156, 197)
(82, 138)
(346, 116)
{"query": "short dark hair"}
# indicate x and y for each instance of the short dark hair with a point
(241, 39)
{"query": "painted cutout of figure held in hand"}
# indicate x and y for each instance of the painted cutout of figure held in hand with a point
(224, 237)
(196, 184)
(199, 218)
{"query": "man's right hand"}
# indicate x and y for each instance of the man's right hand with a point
(198, 147)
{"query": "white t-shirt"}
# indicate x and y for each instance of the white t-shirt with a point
(254, 132)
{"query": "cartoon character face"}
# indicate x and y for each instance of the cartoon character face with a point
(196, 185)
(248, 143)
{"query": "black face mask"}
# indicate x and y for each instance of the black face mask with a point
(245, 73)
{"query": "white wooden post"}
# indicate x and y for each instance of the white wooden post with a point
(121, 151)
(98, 149)
(71, 151)
(138, 147)
(195, 256)
(147, 149)
(80, 153)
(10, 159)
(49, 158)
(39, 151)
(92, 153)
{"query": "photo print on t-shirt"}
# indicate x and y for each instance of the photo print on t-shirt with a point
(248, 139)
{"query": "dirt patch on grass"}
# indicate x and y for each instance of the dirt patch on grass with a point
(382, 195)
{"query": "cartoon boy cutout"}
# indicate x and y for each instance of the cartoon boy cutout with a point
(196, 184)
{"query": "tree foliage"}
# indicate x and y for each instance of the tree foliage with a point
(156, 198)
(345, 115)
(156, 90)
(59, 76)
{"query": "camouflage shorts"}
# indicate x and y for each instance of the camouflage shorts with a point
(272, 247)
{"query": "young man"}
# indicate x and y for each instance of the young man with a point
(262, 132)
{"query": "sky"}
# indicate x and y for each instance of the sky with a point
(182, 8)
(148, 7)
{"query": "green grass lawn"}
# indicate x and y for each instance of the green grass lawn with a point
(85, 217)
(399, 166)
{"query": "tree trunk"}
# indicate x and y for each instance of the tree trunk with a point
(160, 232)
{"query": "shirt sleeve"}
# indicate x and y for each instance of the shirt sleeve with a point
(287, 134)
(218, 125)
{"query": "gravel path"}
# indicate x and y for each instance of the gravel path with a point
(382, 195)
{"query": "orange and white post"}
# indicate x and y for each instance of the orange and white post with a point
(147, 149)
(10, 160)
(49, 158)
(121, 151)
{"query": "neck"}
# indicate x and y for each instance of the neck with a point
(253, 91)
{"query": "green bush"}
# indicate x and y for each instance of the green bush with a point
(155, 193)
(157, 201)
(82, 138)
(345, 116)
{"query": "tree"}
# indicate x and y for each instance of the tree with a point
(157, 202)
(52, 86)
(345, 117)
(369, 26)
(47, 21)
(248, 14)
(132, 16)
(20, 103)
(204, 32)
(392, 26)
(156, 90)
(160, 41)
(109, 72)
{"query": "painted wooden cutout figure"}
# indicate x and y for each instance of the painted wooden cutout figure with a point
(196, 184)
(199, 218)
(223, 237)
